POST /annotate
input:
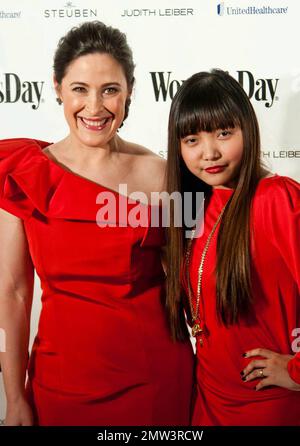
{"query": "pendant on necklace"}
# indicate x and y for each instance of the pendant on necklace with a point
(196, 330)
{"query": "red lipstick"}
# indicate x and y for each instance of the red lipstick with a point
(215, 169)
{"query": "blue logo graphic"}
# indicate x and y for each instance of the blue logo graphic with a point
(220, 8)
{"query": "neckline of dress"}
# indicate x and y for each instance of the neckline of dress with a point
(262, 180)
(72, 174)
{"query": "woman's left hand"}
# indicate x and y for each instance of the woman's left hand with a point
(272, 369)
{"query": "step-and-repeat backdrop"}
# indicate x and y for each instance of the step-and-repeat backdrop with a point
(257, 41)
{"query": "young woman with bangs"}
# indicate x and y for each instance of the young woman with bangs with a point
(239, 280)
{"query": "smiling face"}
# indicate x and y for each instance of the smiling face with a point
(214, 157)
(94, 92)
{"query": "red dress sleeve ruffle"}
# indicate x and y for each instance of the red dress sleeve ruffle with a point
(30, 183)
(24, 175)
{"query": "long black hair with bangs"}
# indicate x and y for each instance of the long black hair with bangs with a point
(208, 101)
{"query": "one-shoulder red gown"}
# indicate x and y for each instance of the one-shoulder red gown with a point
(103, 353)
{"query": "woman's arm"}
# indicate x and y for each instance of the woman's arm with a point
(282, 216)
(16, 289)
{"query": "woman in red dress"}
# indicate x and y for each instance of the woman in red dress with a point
(103, 354)
(241, 276)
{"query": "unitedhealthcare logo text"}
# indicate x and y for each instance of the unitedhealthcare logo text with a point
(223, 9)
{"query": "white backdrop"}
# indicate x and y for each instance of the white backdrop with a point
(257, 41)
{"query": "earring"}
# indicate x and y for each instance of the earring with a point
(59, 101)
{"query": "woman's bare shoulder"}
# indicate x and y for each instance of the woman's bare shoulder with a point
(139, 150)
(149, 167)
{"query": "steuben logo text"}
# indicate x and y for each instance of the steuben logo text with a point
(261, 90)
(70, 11)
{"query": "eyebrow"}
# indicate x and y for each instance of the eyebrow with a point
(104, 85)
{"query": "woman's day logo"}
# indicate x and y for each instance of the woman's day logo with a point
(13, 89)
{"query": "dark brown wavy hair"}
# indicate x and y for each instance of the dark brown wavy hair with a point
(94, 37)
(208, 101)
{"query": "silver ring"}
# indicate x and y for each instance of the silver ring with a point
(261, 373)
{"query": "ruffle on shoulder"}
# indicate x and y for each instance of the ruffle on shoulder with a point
(31, 183)
(23, 176)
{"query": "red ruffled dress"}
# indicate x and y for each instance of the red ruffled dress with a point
(103, 353)
(222, 397)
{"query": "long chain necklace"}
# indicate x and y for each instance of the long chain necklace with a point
(197, 327)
